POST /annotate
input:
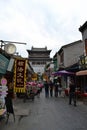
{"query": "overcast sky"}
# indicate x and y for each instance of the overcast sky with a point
(40, 23)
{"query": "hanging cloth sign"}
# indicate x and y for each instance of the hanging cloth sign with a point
(20, 75)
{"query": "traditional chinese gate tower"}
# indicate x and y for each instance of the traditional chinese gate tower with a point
(38, 58)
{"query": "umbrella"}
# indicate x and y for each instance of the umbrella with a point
(63, 72)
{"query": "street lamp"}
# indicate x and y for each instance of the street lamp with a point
(9, 46)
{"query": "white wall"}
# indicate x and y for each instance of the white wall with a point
(38, 68)
(72, 53)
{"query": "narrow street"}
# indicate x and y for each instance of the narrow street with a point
(47, 114)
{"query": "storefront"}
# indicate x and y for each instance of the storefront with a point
(82, 77)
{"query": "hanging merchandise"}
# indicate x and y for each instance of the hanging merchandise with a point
(3, 94)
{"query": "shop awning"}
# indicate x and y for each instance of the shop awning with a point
(3, 64)
(63, 72)
(82, 72)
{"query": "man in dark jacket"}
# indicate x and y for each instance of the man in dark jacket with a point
(46, 86)
(72, 94)
(56, 85)
(51, 88)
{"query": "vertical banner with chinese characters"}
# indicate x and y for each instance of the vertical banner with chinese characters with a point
(20, 75)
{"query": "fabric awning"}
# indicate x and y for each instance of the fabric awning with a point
(63, 72)
(3, 64)
(82, 72)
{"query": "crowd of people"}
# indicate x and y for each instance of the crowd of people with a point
(52, 88)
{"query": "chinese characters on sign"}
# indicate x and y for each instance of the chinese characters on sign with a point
(20, 75)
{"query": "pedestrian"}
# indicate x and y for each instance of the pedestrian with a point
(46, 86)
(56, 85)
(9, 106)
(59, 89)
(51, 88)
(39, 89)
(72, 94)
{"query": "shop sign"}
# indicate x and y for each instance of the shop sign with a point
(10, 65)
(3, 64)
(83, 62)
(34, 77)
(20, 75)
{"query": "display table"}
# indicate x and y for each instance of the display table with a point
(66, 91)
(77, 92)
(84, 95)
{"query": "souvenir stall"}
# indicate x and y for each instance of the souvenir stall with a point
(3, 82)
(83, 79)
(3, 93)
(65, 78)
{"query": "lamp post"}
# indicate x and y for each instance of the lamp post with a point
(9, 46)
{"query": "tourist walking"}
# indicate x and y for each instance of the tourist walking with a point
(46, 86)
(56, 85)
(51, 88)
(59, 89)
(72, 94)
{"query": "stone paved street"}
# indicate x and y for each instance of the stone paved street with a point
(47, 114)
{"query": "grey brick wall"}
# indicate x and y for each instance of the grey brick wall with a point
(72, 53)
